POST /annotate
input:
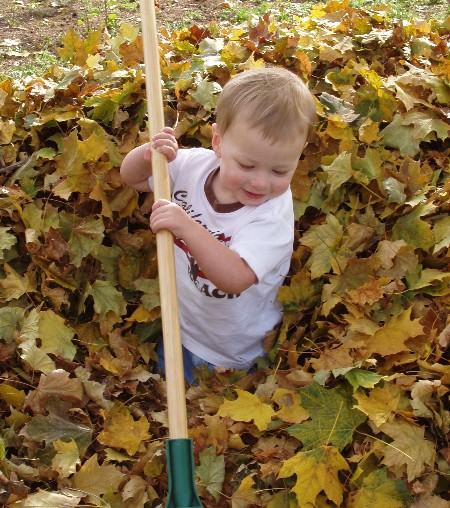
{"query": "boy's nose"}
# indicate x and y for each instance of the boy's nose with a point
(259, 181)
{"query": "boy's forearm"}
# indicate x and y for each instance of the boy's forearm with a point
(221, 265)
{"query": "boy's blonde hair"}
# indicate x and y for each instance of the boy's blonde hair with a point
(272, 99)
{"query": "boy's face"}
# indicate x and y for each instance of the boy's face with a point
(253, 169)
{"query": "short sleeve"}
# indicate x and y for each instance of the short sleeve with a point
(266, 242)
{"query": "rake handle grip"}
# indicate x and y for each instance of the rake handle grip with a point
(176, 401)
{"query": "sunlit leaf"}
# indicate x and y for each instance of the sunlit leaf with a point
(122, 431)
(316, 471)
(248, 407)
(96, 479)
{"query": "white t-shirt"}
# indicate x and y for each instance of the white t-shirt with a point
(228, 329)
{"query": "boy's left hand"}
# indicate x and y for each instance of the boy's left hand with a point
(168, 215)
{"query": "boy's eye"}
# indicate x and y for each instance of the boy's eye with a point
(245, 166)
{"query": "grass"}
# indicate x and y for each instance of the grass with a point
(39, 65)
(114, 11)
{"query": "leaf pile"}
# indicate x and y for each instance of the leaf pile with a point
(351, 407)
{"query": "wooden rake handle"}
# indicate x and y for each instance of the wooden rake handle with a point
(176, 400)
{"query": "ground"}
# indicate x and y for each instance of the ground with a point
(30, 26)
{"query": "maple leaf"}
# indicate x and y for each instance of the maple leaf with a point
(339, 171)
(391, 338)
(55, 336)
(333, 419)
(409, 449)
(211, 471)
(107, 298)
(7, 240)
(36, 359)
(85, 238)
(248, 407)
(414, 230)
(123, 431)
(301, 294)
(244, 495)
(290, 410)
(51, 428)
(323, 240)
(316, 471)
(67, 457)
(10, 319)
(16, 285)
(56, 384)
(379, 491)
(380, 403)
(51, 500)
(360, 377)
(96, 479)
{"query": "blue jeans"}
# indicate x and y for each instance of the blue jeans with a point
(190, 362)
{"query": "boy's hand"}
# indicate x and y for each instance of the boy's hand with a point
(168, 215)
(164, 142)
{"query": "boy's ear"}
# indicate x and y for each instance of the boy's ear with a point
(216, 141)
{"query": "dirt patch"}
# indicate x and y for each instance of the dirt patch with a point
(31, 30)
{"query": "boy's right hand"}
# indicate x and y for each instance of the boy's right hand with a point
(164, 142)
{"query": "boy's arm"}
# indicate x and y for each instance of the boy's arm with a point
(136, 167)
(221, 265)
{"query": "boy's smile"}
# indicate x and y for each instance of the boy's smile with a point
(253, 168)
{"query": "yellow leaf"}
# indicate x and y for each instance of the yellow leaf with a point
(12, 396)
(17, 419)
(245, 495)
(122, 431)
(316, 470)
(380, 403)
(97, 479)
(94, 147)
(67, 457)
(248, 407)
(290, 409)
(369, 131)
(55, 336)
(37, 359)
(14, 285)
(391, 338)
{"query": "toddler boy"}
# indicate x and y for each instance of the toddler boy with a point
(231, 214)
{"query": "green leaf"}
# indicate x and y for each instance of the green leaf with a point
(7, 240)
(85, 239)
(361, 377)
(398, 135)
(107, 298)
(333, 419)
(339, 171)
(211, 471)
(51, 428)
(441, 232)
(207, 94)
(414, 230)
(150, 287)
(10, 319)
